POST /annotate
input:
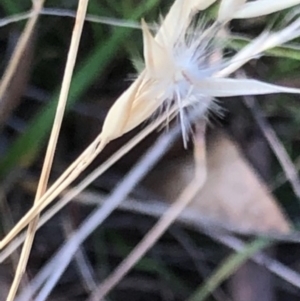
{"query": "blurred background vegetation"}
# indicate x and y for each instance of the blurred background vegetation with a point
(183, 263)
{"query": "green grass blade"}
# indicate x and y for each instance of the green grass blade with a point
(229, 266)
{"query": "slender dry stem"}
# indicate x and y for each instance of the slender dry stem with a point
(54, 269)
(274, 266)
(43, 182)
(289, 169)
(84, 267)
(20, 47)
(82, 185)
(190, 218)
(141, 100)
(148, 241)
(162, 225)
(199, 223)
(16, 18)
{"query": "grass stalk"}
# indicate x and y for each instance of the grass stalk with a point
(43, 182)
(20, 47)
(164, 222)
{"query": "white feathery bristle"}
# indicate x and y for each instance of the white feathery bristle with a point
(179, 18)
(185, 65)
(181, 65)
(174, 67)
(260, 8)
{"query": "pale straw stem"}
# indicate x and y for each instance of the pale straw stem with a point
(82, 7)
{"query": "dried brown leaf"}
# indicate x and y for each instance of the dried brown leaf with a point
(233, 194)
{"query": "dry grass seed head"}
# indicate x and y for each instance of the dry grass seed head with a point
(141, 100)
(150, 90)
(177, 68)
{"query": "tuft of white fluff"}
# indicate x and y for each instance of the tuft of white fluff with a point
(189, 69)
(174, 70)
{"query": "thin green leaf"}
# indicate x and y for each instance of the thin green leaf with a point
(229, 266)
